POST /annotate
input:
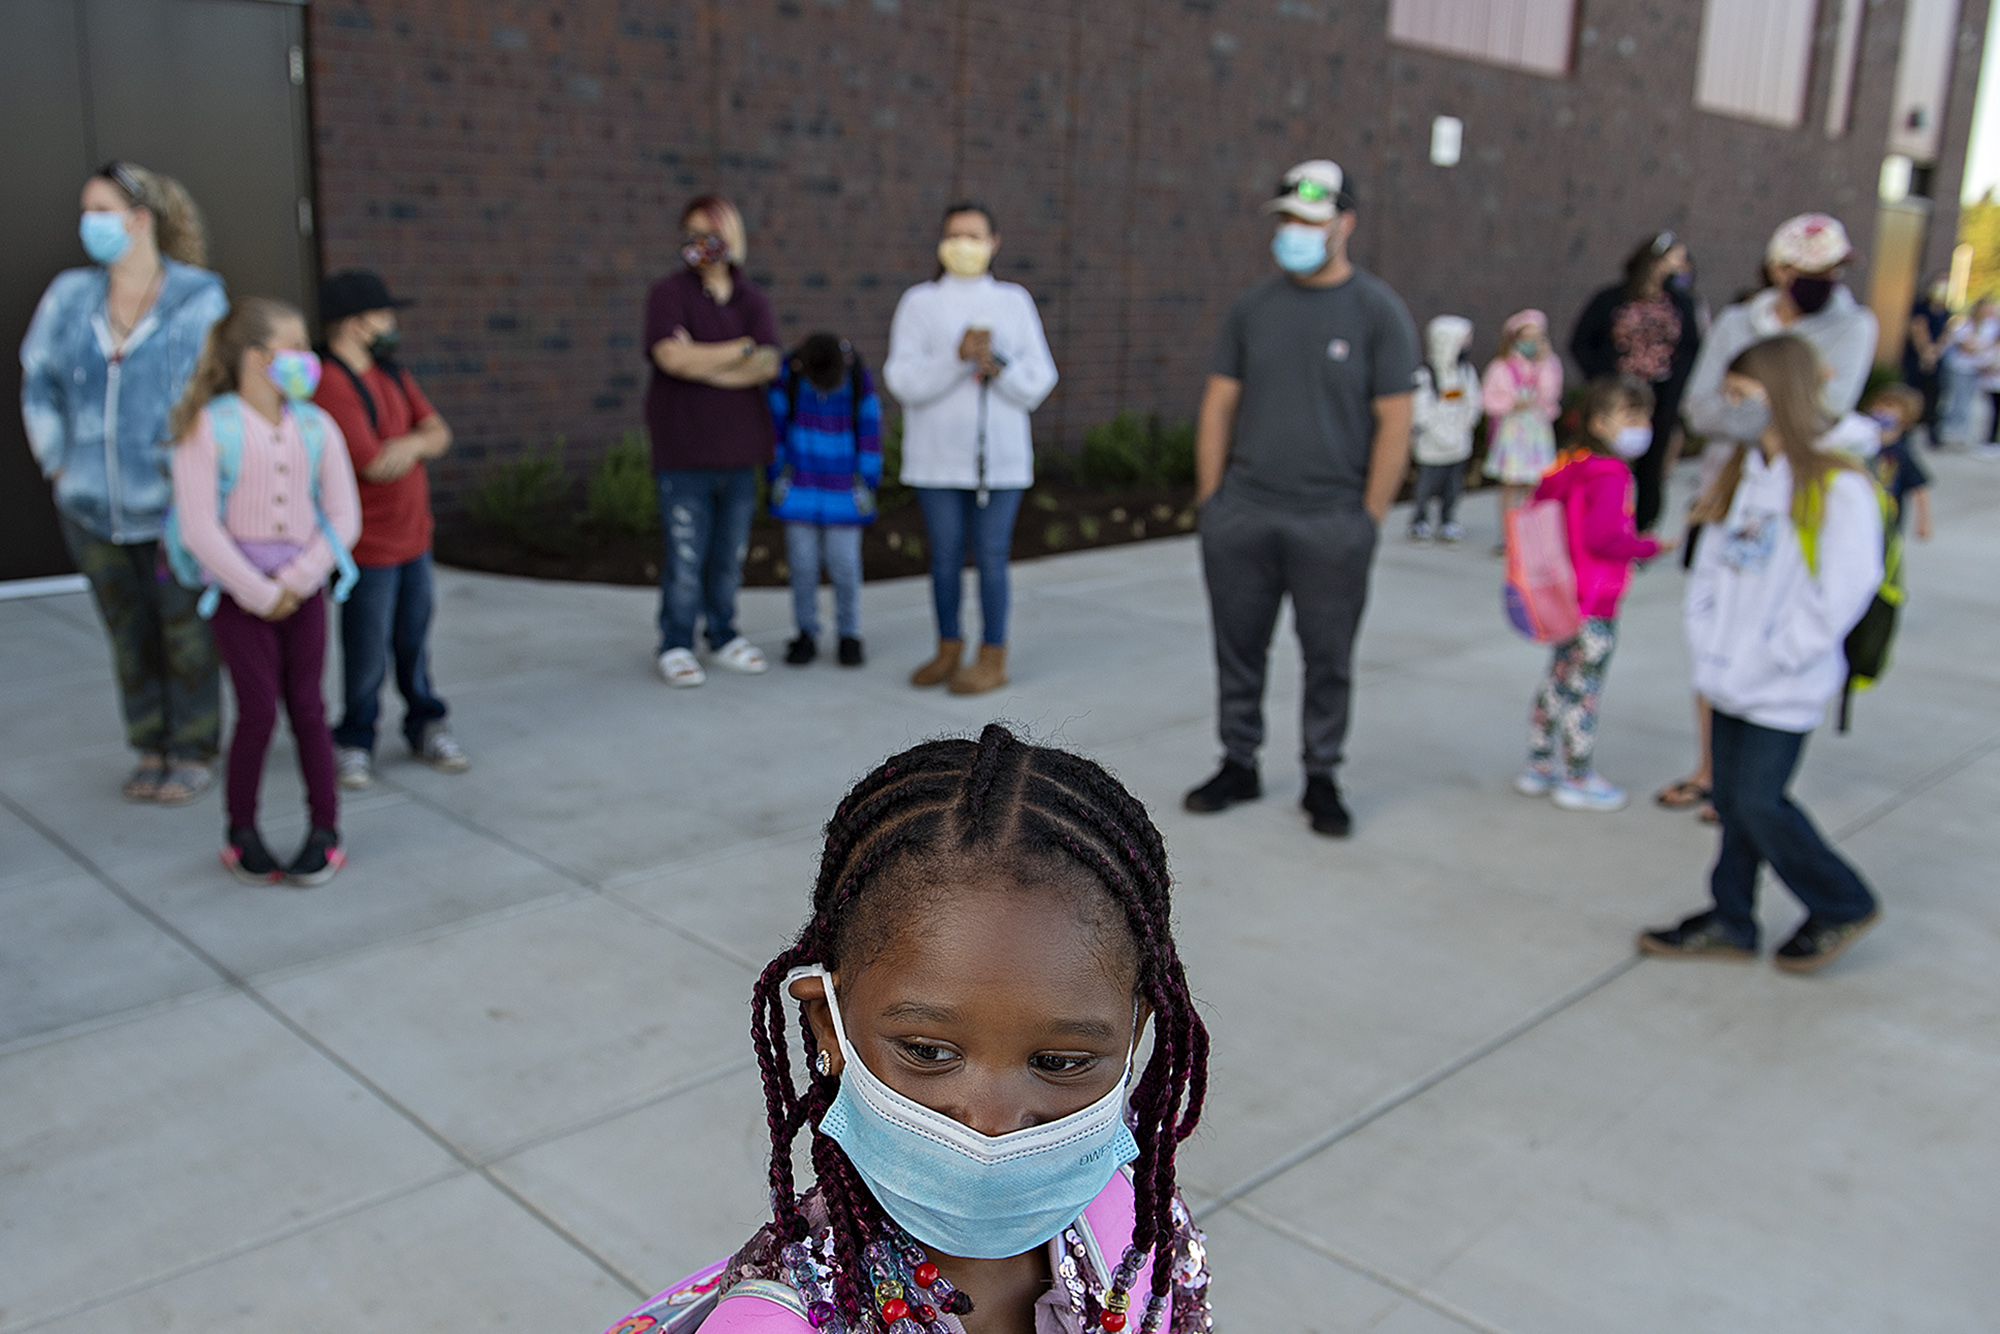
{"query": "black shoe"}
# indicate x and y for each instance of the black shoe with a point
(1699, 937)
(318, 861)
(1329, 815)
(1232, 783)
(244, 853)
(851, 652)
(801, 651)
(1815, 945)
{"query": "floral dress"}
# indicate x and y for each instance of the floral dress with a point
(1523, 398)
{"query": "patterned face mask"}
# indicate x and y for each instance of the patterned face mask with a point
(296, 374)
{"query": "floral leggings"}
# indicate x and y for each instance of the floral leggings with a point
(1565, 715)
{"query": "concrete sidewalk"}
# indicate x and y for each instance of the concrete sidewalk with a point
(497, 1076)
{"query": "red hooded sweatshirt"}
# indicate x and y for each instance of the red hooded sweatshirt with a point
(1596, 493)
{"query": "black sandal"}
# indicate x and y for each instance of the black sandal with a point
(1679, 795)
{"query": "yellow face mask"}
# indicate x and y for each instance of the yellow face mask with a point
(965, 256)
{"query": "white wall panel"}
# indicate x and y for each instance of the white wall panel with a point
(1533, 35)
(1923, 73)
(1756, 59)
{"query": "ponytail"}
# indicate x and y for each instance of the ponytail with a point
(177, 225)
(248, 324)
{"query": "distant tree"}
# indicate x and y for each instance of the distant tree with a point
(1979, 227)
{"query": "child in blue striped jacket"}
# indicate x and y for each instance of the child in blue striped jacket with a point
(828, 464)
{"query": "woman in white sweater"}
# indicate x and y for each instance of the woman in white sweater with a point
(1789, 559)
(968, 362)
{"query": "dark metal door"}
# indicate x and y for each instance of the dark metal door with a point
(209, 91)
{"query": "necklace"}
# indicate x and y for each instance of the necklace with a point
(118, 335)
(912, 1297)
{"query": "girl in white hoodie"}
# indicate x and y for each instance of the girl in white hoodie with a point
(1789, 558)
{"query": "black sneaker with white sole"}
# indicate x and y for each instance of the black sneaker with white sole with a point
(244, 853)
(1232, 783)
(318, 861)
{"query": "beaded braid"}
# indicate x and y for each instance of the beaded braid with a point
(993, 797)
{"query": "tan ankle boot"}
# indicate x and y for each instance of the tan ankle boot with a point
(941, 668)
(987, 672)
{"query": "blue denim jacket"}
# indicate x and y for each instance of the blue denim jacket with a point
(100, 427)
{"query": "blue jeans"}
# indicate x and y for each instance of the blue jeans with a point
(705, 523)
(389, 612)
(956, 524)
(1753, 766)
(840, 545)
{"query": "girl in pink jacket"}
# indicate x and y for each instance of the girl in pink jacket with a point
(1522, 390)
(1592, 480)
(990, 940)
(266, 506)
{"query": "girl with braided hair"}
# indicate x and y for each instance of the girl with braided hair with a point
(990, 940)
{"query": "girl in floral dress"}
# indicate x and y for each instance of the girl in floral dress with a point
(1523, 392)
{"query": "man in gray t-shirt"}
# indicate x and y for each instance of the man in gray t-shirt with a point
(1302, 444)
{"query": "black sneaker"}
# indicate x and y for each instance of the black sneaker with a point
(801, 651)
(1329, 814)
(1699, 937)
(1815, 945)
(851, 652)
(244, 853)
(318, 861)
(1232, 783)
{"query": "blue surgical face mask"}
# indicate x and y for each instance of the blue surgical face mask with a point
(295, 373)
(1745, 419)
(1299, 249)
(1632, 442)
(975, 1196)
(103, 234)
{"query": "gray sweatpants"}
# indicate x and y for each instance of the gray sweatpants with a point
(1252, 555)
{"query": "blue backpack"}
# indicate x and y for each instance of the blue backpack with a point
(225, 424)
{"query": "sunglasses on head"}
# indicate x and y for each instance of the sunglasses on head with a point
(1664, 242)
(125, 179)
(1305, 191)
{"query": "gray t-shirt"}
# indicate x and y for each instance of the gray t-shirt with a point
(1312, 360)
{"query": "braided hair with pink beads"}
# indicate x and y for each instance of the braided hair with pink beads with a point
(996, 802)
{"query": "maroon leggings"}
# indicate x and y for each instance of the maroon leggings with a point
(267, 661)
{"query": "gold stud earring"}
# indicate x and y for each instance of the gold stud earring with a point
(823, 1063)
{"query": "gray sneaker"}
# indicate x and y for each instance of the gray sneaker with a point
(441, 751)
(355, 767)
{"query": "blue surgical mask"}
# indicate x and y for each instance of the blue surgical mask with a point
(103, 234)
(975, 1196)
(1632, 442)
(295, 373)
(1299, 249)
(1745, 419)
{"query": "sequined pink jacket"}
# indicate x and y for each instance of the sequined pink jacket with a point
(767, 1306)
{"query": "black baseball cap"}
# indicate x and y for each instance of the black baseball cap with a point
(352, 292)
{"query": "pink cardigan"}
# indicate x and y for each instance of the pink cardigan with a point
(270, 504)
(1505, 376)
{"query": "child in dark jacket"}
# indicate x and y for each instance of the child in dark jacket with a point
(1897, 408)
(828, 464)
(1593, 482)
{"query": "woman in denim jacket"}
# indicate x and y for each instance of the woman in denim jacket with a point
(108, 352)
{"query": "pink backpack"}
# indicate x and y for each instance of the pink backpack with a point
(1540, 594)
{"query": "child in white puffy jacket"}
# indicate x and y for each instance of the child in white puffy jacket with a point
(1789, 559)
(1444, 413)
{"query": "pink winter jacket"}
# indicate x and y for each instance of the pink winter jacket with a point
(1506, 376)
(1596, 493)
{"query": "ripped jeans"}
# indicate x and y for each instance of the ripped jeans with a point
(705, 526)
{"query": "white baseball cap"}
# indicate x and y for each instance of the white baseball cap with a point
(1312, 191)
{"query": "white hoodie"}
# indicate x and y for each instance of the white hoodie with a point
(1767, 634)
(939, 395)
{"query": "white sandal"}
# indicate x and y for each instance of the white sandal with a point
(740, 655)
(679, 669)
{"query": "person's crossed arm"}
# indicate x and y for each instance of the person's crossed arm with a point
(739, 363)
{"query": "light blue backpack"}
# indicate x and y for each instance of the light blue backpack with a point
(225, 424)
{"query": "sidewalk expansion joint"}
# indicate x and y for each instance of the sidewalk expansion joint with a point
(1416, 1088)
(1942, 773)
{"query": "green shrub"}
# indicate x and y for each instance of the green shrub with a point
(621, 499)
(1131, 450)
(892, 494)
(530, 501)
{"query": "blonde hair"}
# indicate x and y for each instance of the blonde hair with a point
(1791, 374)
(728, 223)
(177, 225)
(249, 324)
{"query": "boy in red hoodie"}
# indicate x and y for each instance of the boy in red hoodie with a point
(1593, 481)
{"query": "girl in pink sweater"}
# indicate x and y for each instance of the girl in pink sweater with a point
(1522, 390)
(1593, 482)
(265, 503)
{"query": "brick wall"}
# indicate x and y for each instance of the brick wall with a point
(519, 169)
